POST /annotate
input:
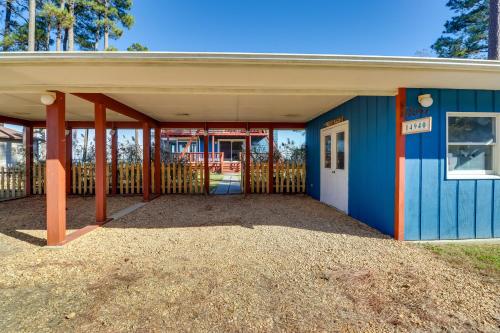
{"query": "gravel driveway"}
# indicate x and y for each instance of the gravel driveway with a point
(226, 263)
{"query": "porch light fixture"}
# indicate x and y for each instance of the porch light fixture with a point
(425, 100)
(67, 132)
(48, 98)
(112, 132)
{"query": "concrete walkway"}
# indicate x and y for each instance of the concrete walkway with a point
(230, 184)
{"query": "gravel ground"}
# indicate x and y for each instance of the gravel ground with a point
(226, 263)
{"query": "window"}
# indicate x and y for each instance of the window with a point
(328, 151)
(472, 146)
(340, 150)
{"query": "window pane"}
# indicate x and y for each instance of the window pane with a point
(328, 151)
(470, 157)
(471, 129)
(340, 150)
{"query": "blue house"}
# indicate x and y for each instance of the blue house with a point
(450, 174)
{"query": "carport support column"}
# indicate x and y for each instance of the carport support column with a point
(248, 143)
(205, 160)
(271, 160)
(399, 197)
(100, 163)
(146, 161)
(55, 171)
(28, 141)
(157, 179)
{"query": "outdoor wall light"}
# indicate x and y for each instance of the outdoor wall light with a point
(112, 132)
(48, 98)
(425, 100)
(67, 132)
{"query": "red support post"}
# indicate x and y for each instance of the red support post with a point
(213, 149)
(146, 161)
(69, 159)
(55, 171)
(28, 142)
(100, 163)
(248, 144)
(157, 179)
(205, 161)
(114, 160)
(399, 200)
(271, 160)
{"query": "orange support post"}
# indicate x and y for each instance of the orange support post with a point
(399, 204)
(114, 159)
(157, 179)
(55, 172)
(247, 161)
(271, 160)
(100, 163)
(28, 141)
(146, 162)
(205, 161)
(69, 159)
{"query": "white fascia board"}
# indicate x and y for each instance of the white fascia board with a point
(250, 58)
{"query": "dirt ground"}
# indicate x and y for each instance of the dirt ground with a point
(228, 263)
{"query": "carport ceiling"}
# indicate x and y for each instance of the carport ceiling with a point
(172, 107)
(223, 86)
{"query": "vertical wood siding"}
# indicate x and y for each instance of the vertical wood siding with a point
(437, 208)
(371, 162)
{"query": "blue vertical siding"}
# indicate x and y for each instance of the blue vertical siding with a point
(371, 158)
(437, 208)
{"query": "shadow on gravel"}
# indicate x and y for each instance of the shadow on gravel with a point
(189, 211)
(28, 214)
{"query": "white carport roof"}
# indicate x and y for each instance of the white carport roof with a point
(223, 86)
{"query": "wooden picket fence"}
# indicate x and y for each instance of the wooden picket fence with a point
(12, 182)
(182, 178)
(176, 178)
(38, 179)
(288, 177)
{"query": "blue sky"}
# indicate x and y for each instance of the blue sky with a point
(381, 27)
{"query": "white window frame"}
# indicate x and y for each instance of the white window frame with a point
(475, 174)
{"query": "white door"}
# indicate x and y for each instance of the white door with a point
(335, 166)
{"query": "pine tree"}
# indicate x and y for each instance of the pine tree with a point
(466, 34)
(137, 47)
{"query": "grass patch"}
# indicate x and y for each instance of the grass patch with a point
(215, 179)
(482, 257)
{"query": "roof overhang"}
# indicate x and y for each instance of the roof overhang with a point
(223, 86)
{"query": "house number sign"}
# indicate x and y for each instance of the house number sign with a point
(417, 126)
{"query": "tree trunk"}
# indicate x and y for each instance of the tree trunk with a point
(60, 27)
(106, 26)
(85, 145)
(65, 39)
(71, 29)
(32, 26)
(47, 40)
(6, 30)
(494, 31)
